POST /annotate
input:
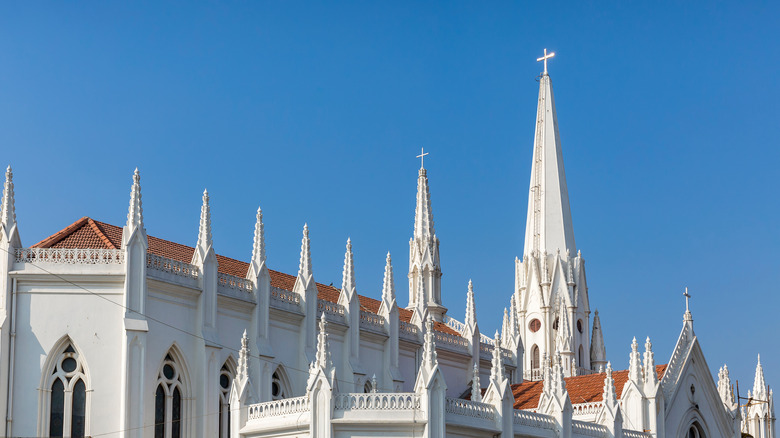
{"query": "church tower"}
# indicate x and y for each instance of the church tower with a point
(424, 267)
(551, 292)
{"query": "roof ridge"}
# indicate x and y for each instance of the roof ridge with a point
(100, 234)
(63, 233)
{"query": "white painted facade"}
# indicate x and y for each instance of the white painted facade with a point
(105, 331)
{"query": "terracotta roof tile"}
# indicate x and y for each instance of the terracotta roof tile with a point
(88, 233)
(582, 389)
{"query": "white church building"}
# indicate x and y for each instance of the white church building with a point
(108, 331)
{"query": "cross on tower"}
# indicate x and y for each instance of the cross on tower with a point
(422, 157)
(545, 58)
(687, 297)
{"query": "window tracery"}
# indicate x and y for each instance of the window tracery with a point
(168, 400)
(226, 375)
(68, 395)
(279, 386)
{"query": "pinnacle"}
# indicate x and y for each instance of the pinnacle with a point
(423, 216)
(258, 246)
(204, 230)
(388, 285)
(304, 266)
(471, 308)
(135, 213)
(348, 278)
(8, 209)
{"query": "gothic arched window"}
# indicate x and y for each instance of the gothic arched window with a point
(280, 387)
(168, 400)
(226, 375)
(581, 357)
(68, 397)
(535, 358)
(695, 431)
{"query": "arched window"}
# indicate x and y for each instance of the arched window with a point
(280, 387)
(168, 400)
(226, 375)
(367, 387)
(695, 431)
(535, 358)
(68, 395)
(581, 357)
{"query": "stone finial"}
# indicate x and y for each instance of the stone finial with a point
(505, 329)
(348, 275)
(724, 387)
(759, 385)
(374, 385)
(258, 245)
(471, 307)
(430, 358)
(243, 357)
(388, 285)
(476, 389)
(135, 213)
(635, 364)
(304, 266)
(204, 230)
(8, 209)
(651, 377)
(322, 358)
(609, 395)
(598, 353)
(558, 377)
(497, 370)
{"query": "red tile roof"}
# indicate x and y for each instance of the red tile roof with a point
(89, 233)
(582, 389)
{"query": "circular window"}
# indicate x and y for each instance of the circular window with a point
(224, 381)
(69, 365)
(579, 325)
(168, 372)
(535, 325)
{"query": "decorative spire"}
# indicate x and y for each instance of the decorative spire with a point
(759, 386)
(135, 213)
(388, 285)
(688, 317)
(204, 230)
(497, 370)
(724, 387)
(8, 209)
(598, 353)
(471, 308)
(258, 246)
(547, 373)
(563, 338)
(505, 326)
(548, 225)
(476, 389)
(348, 276)
(513, 327)
(651, 377)
(243, 357)
(423, 215)
(322, 359)
(558, 377)
(609, 396)
(304, 266)
(635, 364)
(429, 357)
(374, 386)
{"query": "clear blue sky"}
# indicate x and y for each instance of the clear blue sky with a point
(668, 115)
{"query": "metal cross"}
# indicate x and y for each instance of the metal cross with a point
(545, 58)
(687, 297)
(422, 157)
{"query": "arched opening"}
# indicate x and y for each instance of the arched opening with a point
(170, 397)
(65, 392)
(581, 357)
(695, 431)
(280, 385)
(535, 357)
(226, 376)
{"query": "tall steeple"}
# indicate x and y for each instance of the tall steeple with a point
(424, 252)
(549, 225)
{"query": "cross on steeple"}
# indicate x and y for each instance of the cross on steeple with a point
(422, 157)
(545, 58)
(687, 297)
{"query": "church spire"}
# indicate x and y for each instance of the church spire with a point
(548, 225)
(759, 385)
(8, 209)
(204, 230)
(423, 214)
(598, 353)
(258, 245)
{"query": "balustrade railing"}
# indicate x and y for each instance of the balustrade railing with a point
(372, 321)
(469, 408)
(586, 408)
(580, 371)
(589, 429)
(175, 267)
(533, 374)
(408, 330)
(71, 256)
(285, 299)
(448, 340)
(454, 324)
(333, 309)
(532, 419)
(383, 401)
(279, 407)
(233, 282)
(635, 434)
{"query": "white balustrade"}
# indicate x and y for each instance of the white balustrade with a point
(589, 429)
(382, 401)
(333, 309)
(533, 374)
(454, 324)
(71, 256)
(580, 371)
(279, 407)
(635, 434)
(233, 282)
(448, 340)
(533, 419)
(408, 330)
(175, 267)
(285, 299)
(372, 321)
(468, 408)
(589, 408)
